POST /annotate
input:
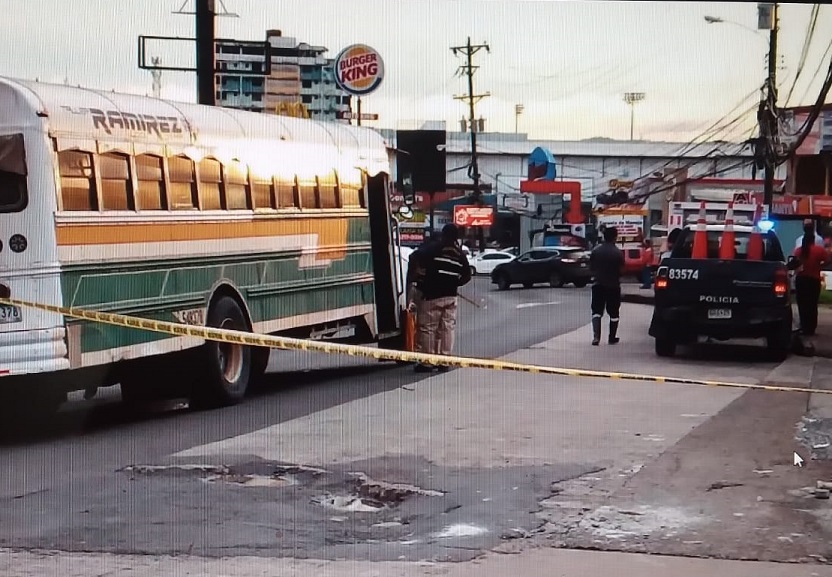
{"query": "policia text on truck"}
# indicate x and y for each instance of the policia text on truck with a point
(724, 282)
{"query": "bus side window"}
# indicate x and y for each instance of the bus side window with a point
(285, 190)
(182, 183)
(13, 190)
(350, 188)
(151, 179)
(77, 180)
(262, 191)
(235, 181)
(115, 181)
(307, 190)
(328, 190)
(209, 184)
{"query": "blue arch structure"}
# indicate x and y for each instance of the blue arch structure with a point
(542, 164)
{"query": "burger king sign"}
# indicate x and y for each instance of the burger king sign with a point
(359, 70)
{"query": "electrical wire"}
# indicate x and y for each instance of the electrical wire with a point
(817, 72)
(810, 33)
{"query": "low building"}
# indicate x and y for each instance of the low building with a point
(503, 163)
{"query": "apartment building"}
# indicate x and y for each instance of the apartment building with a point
(276, 74)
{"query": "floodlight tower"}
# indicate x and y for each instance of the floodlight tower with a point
(633, 98)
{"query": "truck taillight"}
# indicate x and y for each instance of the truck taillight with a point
(781, 283)
(662, 282)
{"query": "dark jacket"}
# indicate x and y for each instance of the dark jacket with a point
(444, 269)
(606, 263)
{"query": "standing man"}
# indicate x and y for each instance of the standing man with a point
(606, 263)
(445, 270)
(818, 239)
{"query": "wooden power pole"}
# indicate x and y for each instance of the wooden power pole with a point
(468, 69)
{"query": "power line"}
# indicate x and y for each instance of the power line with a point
(817, 72)
(810, 33)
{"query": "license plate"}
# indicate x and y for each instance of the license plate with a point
(9, 314)
(719, 313)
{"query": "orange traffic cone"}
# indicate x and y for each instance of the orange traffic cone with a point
(727, 245)
(700, 237)
(755, 241)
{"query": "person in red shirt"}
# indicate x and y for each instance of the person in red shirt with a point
(812, 259)
(647, 263)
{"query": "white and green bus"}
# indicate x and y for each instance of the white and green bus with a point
(188, 213)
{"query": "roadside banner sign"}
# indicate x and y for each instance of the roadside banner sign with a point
(472, 215)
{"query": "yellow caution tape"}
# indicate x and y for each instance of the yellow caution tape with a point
(270, 341)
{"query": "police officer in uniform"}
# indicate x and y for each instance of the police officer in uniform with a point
(445, 268)
(606, 263)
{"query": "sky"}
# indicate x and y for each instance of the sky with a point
(568, 63)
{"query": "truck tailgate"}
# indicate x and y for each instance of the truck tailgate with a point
(719, 284)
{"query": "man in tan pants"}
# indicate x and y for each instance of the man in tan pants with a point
(445, 270)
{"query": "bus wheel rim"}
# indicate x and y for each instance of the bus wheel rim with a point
(230, 357)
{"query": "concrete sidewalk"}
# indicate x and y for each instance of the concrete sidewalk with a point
(541, 562)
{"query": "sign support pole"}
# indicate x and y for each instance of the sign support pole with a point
(359, 111)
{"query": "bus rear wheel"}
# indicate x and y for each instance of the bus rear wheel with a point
(228, 366)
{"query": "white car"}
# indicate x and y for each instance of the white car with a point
(486, 262)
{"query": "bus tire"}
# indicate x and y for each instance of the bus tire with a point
(228, 367)
(259, 363)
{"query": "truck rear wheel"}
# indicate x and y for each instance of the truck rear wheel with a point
(778, 344)
(665, 348)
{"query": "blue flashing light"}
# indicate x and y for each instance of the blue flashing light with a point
(765, 225)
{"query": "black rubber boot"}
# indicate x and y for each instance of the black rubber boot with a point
(613, 333)
(596, 331)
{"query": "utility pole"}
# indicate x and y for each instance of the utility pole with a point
(473, 171)
(768, 107)
(157, 77)
(206, 36)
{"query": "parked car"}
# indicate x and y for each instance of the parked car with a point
(485, 262)
(555, 265)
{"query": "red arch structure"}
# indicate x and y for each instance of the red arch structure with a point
(562, 187)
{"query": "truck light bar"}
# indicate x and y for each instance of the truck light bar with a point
(712, 219)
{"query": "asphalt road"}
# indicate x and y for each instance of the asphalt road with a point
(65, 487)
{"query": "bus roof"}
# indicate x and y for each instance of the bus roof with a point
(78, 118)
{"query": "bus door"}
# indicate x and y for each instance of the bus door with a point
(385, 259)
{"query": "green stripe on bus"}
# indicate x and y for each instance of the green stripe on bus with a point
(98, 337)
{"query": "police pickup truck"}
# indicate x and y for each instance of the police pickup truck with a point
(722, 299)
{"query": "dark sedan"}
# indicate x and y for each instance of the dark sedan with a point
(554, 265)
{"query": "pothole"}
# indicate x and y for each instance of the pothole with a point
(371, 496)
(351, 504)
(186, 468)
(253, 480)
(257, 475)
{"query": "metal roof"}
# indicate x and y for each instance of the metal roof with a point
(518, 144)
(95, 120)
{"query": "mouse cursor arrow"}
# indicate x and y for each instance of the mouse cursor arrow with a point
(798, 460)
